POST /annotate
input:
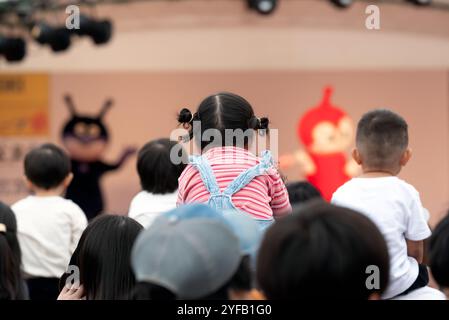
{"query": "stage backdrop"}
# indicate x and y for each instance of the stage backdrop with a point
(24, 123)
(146, 105)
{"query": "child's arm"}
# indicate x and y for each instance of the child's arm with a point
(280, 203)
(417, 229)
(415, 249)
(425, 258)
(79, 223)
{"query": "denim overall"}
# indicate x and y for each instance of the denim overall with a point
(223, 200)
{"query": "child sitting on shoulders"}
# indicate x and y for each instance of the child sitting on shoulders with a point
(227, 175)
(394, 205)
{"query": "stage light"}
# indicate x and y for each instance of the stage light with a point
(342, 3)
(12, 48)
(99, 30)
(58, 38)
(420, 2)
(263, 6)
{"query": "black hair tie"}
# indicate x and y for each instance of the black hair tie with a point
(185, 116)
(263, 123)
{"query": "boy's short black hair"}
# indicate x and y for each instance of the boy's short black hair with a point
(47, 166)
(322, 251)
(157, 172)
(439, 253)
(302, 191)
(382, 137)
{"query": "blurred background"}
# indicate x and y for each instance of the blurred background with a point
(153, 58)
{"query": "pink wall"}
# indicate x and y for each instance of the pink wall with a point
(147, 103)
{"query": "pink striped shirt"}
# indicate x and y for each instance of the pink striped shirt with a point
(264, 197)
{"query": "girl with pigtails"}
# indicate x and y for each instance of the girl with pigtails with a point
(227, 175)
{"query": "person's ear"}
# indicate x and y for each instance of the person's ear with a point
(356, 156)
(67, 180)
(406, 156)
(29, 184)
(374, 296)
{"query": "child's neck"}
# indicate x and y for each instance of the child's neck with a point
(377, 173)
(48, 193)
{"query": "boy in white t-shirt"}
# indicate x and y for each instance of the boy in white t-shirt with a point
(394, 205)
(48, 226)
(158, 175)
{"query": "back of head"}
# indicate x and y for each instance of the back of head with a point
(191, 259)
(382, 137)
(103, 257)
(47, 166)
(302, 191)
(220, 112)
(157, 169)
(439, 253)
(321, 251)
(11, 286)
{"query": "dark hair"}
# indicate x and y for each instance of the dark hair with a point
(302, 191)
(151, 291)
(47, 166)
(103, 257)
(157, 172)
(439, 253)
(321, 251)
(223, 111)
(382, 137)
(241, 280)
(11, 282)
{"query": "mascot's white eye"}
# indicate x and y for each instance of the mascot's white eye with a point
(80, 129)
(94, 131)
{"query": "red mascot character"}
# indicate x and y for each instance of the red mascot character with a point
(326, 132)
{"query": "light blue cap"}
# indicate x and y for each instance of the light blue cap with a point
(244, 227)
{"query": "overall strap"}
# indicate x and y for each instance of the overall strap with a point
(206, 173)
(245, 177)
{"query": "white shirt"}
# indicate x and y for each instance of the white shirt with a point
(48, 229)
(395, 207)
(146, 207)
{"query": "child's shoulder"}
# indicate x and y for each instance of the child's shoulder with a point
(348, 185)
(407, 187)
(70, 206)
(21, 204)
(359, 185)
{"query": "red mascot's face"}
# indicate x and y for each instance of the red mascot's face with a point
(326, 129)
(328, 137)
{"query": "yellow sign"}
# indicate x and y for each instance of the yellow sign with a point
(24, 105)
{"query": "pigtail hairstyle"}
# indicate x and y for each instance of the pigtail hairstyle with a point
(186, 118)
(222, 111)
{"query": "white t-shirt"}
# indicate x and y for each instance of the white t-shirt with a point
(48, 229)
(146, 207)
(395, 207)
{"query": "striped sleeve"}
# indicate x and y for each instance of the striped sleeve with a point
(280, 203)
(182, 181)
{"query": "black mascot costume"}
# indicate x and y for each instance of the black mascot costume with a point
(86, 139)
